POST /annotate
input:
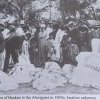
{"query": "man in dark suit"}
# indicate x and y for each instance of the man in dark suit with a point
(2, 45)
(74, 33)
(13, 46)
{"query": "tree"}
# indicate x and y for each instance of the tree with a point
(69, 7)
(14, 6)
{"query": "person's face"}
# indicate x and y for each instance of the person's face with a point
(71, 26)
(26, 38)
(51, 37)
(92, 29)
(69, 39)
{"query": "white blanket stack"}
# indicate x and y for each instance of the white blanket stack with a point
(7, 83)
(50, 78)
(88, 70)
(22, 70)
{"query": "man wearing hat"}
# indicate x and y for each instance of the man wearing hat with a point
(27, 36)
(74, 33)
(12, 47)
(85, 38)
(42, 45)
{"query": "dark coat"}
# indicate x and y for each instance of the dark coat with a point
(2, 43)
(75, 35)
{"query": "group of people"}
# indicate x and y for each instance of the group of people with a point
(11, 43)
(44, 42)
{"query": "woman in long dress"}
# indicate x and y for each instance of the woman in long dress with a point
(34, 48)
(42, 46)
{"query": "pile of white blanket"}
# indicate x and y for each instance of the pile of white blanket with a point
(50, 77)
(88, 70)
(7, 83)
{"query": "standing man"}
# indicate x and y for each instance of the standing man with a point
(74, 34)
(27, 36)
(84, 38)
(2, 44)
(65, 44)
(13, 44)
(34, 48)
(42, 45)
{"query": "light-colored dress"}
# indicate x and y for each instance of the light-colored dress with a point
(58, 39)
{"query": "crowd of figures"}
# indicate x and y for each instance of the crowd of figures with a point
(44, 42)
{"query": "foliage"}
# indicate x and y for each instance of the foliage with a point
(71, 6)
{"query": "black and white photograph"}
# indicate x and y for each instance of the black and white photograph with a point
(49, 47)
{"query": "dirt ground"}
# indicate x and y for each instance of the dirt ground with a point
(67, 89)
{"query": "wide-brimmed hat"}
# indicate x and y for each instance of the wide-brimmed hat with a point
(70, 23)
(83, 28)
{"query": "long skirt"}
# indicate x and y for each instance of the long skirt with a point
(42, 51)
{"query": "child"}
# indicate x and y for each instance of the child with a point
(50, 47)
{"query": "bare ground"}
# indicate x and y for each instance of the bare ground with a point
(67, 89)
